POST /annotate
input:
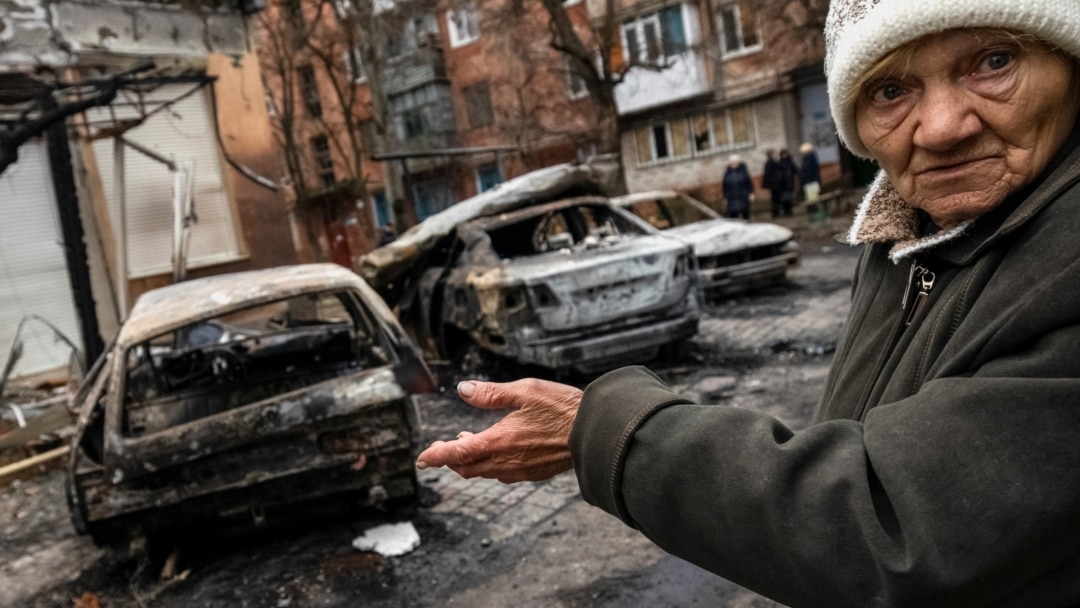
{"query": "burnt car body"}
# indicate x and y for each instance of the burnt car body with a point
(241, 395)
(540, 274)
(541, 270)
(733, 256)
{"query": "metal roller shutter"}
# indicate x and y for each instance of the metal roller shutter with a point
(33, 270)
(182, 132)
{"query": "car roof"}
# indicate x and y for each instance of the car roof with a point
(167, 308)
(539, 209)
(385, 265)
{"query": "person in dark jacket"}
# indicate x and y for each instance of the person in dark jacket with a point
(784, 191)
(942, 465)
(738, 188)
(770, 179)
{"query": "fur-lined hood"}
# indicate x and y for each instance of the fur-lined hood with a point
(884, 217)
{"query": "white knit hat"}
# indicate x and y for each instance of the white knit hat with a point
(860, 32)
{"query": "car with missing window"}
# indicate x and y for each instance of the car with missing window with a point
(543, 274)
(239, 397)
(733, 256)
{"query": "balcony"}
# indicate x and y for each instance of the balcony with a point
(415, 69)
(685, 77)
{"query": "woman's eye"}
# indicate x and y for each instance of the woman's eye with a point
(996, 61)
(888, 92)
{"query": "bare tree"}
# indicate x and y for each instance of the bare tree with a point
(338, 41)
(587, 49)
(793, 30)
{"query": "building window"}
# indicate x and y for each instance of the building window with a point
(424, 110)
(738, 28)
(431, 197)
(478, 104)
(382, 209)
(412, 122)
(419, 31)
(702, 134)
(696, 135)
(463, 24)
(309, 91)
(575, 84)
(488, 176)
(733, 127)
(324, 163)
(654, 38)
(354, 65)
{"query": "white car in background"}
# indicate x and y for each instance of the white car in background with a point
(733, 256)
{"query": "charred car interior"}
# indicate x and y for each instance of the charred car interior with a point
(238, 395)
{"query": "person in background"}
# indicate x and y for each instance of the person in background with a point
(810, 172)
(943, 465)
(788, 173)
(386, 235)
(770, 180)
(738, 188)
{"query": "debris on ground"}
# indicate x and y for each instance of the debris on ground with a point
(390, 540)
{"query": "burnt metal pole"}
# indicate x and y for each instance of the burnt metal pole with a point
(71, 227)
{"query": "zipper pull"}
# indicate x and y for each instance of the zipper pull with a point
(925, 284)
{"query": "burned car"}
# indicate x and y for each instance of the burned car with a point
(568, 285)
(245, 395)
(733, 256)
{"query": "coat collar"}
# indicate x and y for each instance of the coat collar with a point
(884, 217)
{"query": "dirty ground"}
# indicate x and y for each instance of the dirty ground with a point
(482, 543)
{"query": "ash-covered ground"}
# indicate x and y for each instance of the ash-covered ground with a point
(483, 544)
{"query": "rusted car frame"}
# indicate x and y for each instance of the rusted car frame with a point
(206, 408)
(733, 256)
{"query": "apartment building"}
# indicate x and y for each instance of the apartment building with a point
(447, 100)
(451, 97)
(734, 81)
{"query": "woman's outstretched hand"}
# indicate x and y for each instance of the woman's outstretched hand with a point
(530, 444)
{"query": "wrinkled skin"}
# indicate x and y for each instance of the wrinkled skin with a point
(531, 443)
(974, 116)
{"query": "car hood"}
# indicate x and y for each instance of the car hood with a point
(720, 236)
(384, 265)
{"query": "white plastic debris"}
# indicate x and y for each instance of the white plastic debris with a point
(389, 540)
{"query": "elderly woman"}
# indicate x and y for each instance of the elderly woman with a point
(943, 468)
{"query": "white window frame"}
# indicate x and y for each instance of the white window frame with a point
(667, 142)
(575, 83)
(471, 22)
(737, 15)
(353, 57)
(734, 145)
(479, 185)
(638, 26)
(715, 146)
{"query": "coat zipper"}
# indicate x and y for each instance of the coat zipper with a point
(920, 282)
(921, 279)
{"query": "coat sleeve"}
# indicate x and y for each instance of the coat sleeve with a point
(960, 495)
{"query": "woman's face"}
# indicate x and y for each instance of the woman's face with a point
(974, 116)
